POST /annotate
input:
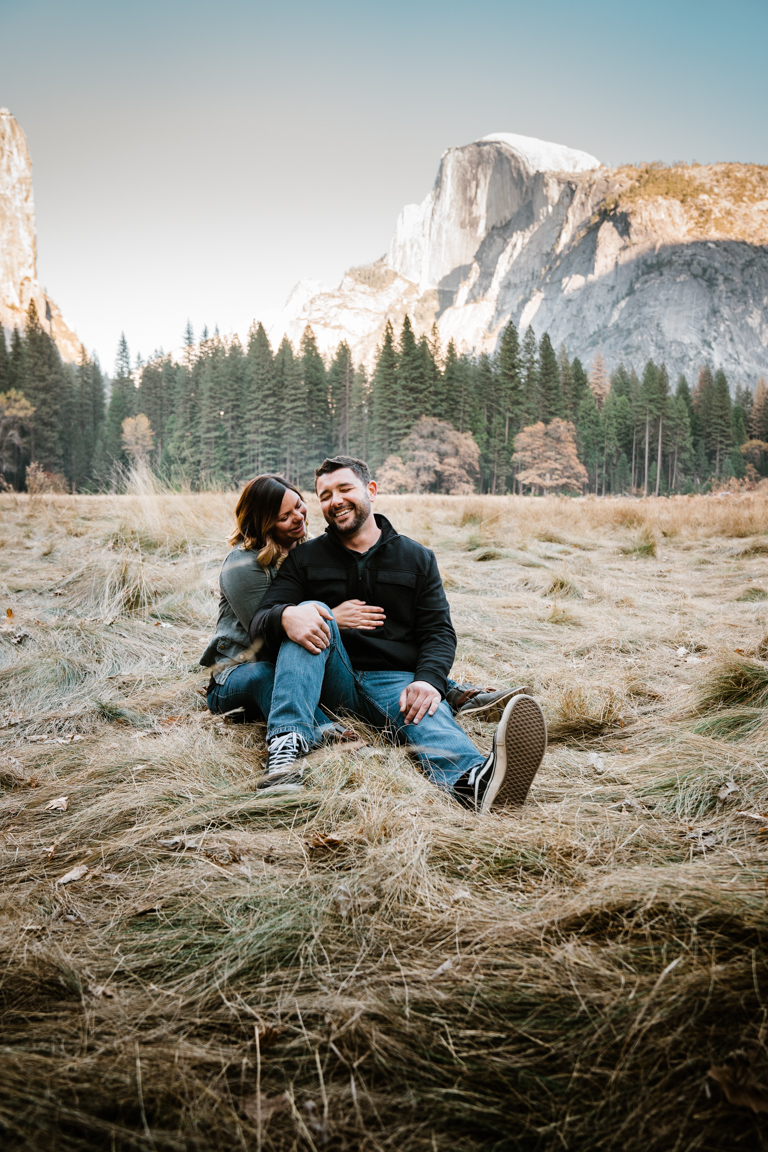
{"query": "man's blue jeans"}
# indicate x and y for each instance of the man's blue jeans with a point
(302, 679)
(249, 686)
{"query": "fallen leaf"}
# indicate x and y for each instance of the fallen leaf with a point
(261, 1107)
(73, 875)
(60, 804)
(444, 967)
(9, 613)
(746, 1094)
(321, 843)
(596, 762)
(727, 790)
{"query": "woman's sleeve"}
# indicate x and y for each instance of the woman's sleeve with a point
(243, 582)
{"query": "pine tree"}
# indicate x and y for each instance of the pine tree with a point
(758, 414)
(233, 386)
(212, 451)
(661, 403)
(360, 413)
(566, 382)
(412, 374)
(341, 381)
(580, 384)
(491, 431)
(317, 417)
(297, 465)
(43, 385)
(262, 442)
(621, 382)
(529, 367)
(550, 394)
(719, 429)
(454, 384)
(681, 441)
(703, 396)
(122, 404)
(88, 411)
(649, 390)
(5, 367)
(386, 423)
(590, 435)
(510, 383)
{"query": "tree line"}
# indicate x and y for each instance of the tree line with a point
(224, 412)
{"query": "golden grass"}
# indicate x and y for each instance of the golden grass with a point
(366, 966)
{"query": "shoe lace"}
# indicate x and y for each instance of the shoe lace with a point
(285, 750)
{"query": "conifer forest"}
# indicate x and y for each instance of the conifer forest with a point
(532, 418)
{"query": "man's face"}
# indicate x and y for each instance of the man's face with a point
(345, 500)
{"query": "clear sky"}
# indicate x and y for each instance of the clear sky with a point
(194, 160)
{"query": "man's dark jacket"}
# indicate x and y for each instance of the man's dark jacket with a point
(400, 576)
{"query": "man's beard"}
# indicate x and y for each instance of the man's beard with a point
(361, 512)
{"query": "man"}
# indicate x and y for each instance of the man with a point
(392, 675)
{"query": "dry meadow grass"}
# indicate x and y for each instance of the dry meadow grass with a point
(187, 965)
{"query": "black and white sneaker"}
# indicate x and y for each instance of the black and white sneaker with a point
(481, 703)
(519, 744)
(284, 770)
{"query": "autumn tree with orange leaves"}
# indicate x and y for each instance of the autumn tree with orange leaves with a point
(546, 458)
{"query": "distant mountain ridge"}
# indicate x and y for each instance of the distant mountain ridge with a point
(18, 243)
(636, 262)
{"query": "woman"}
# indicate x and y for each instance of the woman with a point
(271, 519)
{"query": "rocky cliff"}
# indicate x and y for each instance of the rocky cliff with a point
(18, 252)
(633, 262)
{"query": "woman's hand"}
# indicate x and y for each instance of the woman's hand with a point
(358, 614)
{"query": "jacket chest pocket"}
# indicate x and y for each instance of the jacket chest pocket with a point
(395, 592)
(328, 585)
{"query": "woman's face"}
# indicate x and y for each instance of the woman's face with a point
(291, 524)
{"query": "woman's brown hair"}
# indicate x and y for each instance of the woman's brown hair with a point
(256, 515)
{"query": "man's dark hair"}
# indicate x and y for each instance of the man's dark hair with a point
(334, 463)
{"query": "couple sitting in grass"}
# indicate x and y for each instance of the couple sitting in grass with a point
(354, 623)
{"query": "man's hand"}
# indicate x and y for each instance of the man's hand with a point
(305, 624)
(358, 614)
(418, 699)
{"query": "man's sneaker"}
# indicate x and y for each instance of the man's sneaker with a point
(481, 703)
(519, 744)
(284, 770)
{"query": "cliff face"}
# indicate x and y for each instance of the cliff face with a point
(634, 262)
(18, 252)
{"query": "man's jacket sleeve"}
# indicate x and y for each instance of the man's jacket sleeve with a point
(435, 634)
(287, 588)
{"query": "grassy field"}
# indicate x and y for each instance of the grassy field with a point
(187, 965)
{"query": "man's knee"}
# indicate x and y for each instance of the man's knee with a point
(319, 604)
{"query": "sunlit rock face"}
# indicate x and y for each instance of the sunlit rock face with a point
(632, 262)
(18, 252)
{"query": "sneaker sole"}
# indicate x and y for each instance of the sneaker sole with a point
(521, 741)
(491, 712)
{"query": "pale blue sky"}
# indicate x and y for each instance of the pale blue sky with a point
(196, 159)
